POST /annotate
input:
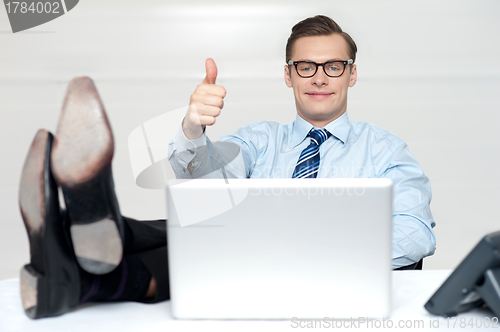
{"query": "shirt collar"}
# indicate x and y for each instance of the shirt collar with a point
(339, 128)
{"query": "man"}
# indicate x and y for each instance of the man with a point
(72, 262)
(320, 68)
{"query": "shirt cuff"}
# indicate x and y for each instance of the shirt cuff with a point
(183, 143)
(186, 149)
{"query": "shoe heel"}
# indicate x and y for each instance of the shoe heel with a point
(31, 291)
(98, 246)
(44, 296)
(95, 223)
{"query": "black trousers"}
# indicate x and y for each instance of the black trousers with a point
(149, 243)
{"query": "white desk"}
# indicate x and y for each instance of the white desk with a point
(411, 290)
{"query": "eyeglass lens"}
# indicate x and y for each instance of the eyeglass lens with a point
(308, 69)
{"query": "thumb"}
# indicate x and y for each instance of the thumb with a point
(211, 69)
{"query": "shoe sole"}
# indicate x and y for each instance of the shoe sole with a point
(81, 159)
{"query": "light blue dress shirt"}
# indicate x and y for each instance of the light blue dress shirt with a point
(355, 150)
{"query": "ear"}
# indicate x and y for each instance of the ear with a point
(288, 79)
(354, 76)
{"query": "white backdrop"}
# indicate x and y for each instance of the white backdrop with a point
(427, 71)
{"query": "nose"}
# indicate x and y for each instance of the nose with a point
(320, 77)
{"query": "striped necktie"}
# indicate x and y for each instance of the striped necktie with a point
(308, 163)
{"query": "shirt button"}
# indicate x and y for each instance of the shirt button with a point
(191, 166)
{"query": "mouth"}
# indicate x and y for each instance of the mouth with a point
(319, 94)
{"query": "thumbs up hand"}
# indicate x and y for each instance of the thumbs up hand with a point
(205, 103)
(211, 70)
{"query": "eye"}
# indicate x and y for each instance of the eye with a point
(306, 66)
(334, 66)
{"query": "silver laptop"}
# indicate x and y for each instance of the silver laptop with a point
(279, 248)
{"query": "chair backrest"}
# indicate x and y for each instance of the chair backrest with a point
(417, 266)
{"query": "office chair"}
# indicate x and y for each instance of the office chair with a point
(417, 266)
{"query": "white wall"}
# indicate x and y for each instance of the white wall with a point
(427, 71)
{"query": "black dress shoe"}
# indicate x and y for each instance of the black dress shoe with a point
(81, 160)
(50, 284)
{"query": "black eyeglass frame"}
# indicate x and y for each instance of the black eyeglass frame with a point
(295, 63)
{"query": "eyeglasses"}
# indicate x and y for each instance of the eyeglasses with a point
(308, 69)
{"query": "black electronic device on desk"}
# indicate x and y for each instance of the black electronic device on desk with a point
(475, 282)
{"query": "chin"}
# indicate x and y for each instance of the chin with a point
(320, 112)
(321, 116)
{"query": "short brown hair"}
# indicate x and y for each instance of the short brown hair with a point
(318, 25)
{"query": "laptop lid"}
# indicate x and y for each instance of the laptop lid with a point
(279, 248)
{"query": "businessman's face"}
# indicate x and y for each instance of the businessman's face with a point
(320, 99)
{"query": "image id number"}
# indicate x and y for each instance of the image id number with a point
(478, 322)
(38, 7)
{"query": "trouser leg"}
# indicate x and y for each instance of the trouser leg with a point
(149, 243)
(156, 261)
(145, 257)
(142, 235)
